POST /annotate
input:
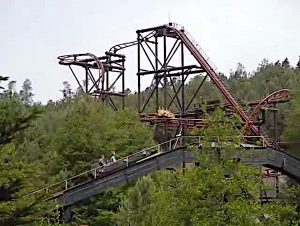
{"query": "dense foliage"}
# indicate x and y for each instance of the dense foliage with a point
(220, 191)
(64, 140)
(43, 144)
(17, 174)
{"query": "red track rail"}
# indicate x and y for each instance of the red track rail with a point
(283, 94)
(192, 47)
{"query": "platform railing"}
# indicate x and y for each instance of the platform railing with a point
(162, 147)
(195, 43)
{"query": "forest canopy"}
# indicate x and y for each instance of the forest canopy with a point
(42, 144)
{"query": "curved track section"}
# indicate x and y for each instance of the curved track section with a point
(86, 61)
(279, 95)
(118, 47)
(74, 59)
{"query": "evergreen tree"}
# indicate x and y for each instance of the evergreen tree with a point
(286, 63)
(239, 72)
(3, 78)
(17, 176)
(67, 91)
(26, 92)
(298, 64)
(277, 63)
(264, 64)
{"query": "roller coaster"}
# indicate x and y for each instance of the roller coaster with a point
(102, 74)
(156, 50)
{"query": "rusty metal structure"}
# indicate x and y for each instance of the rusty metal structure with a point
(269, 104)
(100, 75)
(279, 96)
(193, 118)
(156, 50)
(161, 54)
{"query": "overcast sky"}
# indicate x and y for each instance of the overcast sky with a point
(35, 32)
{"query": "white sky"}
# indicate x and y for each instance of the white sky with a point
(34, 32)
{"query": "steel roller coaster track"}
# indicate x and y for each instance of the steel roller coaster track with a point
(148, 44)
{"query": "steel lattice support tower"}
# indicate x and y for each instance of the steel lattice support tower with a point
(163, 58)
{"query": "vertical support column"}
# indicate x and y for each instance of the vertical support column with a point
(277, 185)
(182, 80)
(139, 69)
(107, 73)
(123, 85)
(102, 82)
(107, 80)
(165, 82)
(67, 214)
(263, 116)
(164, 67)
(86, 80)
(156, 78)
(182, 101)
(275, 123)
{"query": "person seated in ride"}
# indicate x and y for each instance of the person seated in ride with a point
(113, 158)
(146, 153)
(101, 161)
(101, 164)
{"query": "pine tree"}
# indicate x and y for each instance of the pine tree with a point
(239, 72)
(3, 78)
(67, 91)
(298, 64)
(26, 92)
(286, 63)
(16, 175)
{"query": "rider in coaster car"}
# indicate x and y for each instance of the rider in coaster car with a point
(113, 158)
(101, 161)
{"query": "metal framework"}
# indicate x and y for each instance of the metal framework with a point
(163, 71)
(162, 57)
(269, 103)
(278, 96)
(161, 54)
(256, 107)
(101, 75)
(173, 123)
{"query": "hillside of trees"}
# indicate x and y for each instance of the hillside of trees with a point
(42, 144)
